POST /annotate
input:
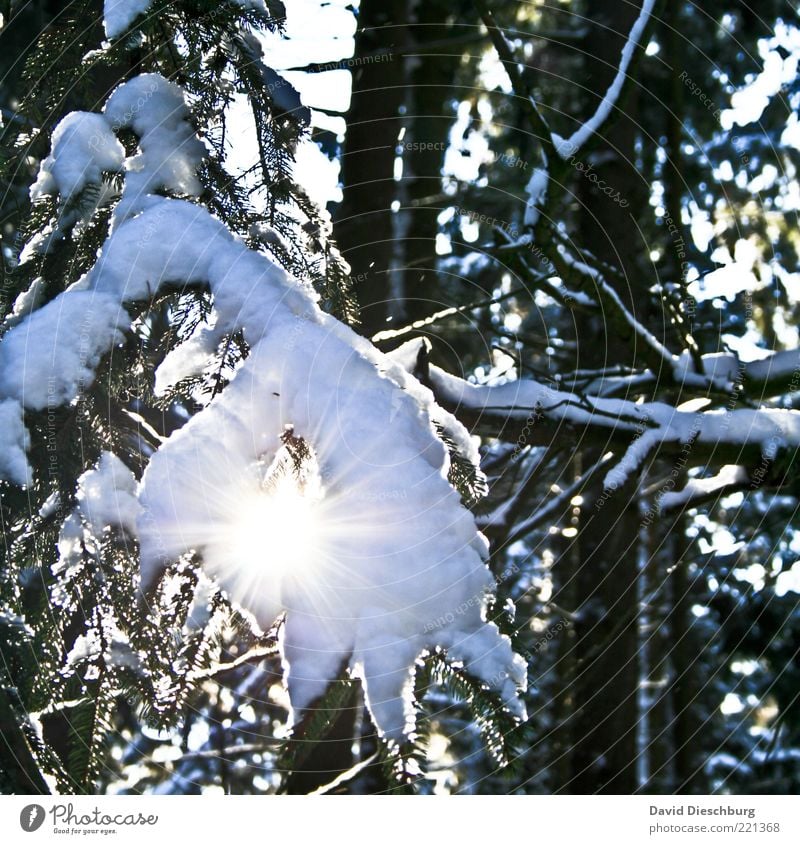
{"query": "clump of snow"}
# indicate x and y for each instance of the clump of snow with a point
(393, 565)
(87, 647)
(187, 360)
(170, 151)
(50, 506)
(200, 610)
(107, 495)
(50, 357)
(393, 572)
(14, 444)
(269, 236)
(26, 302)
(82, 148)
(120, 14)
(537, 191)
(70, 550)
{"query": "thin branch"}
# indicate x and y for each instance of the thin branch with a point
(657, 357)
(254, 655)
(346, 776)
(229, 752)
(417, 325)
(544, 514)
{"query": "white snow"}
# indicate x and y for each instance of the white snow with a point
(393, 565)
(70, 547)
(27, 301)
(633, 460)
(87, 646)
(723, 367)
(612, 298)
(107, 495)
(51, 505)
(188, 359)
(728, 476)
(568, 147)
(537, 191)
(269, 236)
(781, 365)
(120, 14)
(82, 148)
(654, 423)
(50, 357)
(14, 443)
(169, 149)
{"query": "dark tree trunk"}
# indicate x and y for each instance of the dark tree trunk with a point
(601, 729)
(432, 71)
(364, 225)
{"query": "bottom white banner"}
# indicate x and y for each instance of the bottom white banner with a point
(388, 819)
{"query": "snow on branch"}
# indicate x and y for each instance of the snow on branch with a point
(728, 479)
(721, 372)
(119, 15)
(712, 437)
(570, 146)
(658, 357)
(360, 540)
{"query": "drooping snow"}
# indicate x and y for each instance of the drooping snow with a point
(169, 149)
(49, 358)
(392, 563)
(396, 555)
